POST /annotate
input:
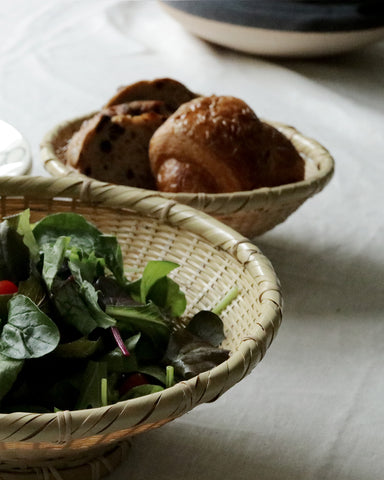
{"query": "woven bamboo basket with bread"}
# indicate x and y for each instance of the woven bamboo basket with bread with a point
(212, 257)
(249, 212)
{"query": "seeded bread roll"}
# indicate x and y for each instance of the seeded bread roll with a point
(167, 90)
(112, 146)
(218, 144)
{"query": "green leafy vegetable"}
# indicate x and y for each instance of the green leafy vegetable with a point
(153, 272)
(83, 235)
(141, 390)
(146, 319)
(84, 266)
(190, 355)
(166, 294)
(77, 334)
(21, 223)
(91, 392)
(53, 259)
(28, 333)
(81, 348)
(14, 255)
(9, 370)
(208, 326)
(78, 306)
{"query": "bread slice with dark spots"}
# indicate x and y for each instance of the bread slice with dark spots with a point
(112, 146)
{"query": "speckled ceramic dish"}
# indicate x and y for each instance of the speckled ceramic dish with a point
(283, 28)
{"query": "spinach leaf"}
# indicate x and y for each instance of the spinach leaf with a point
(154, 371)
(208, 326)
(153, 271)
(166, 294)
(78, 306)
(83, 234)
(140, 391)
(29, 333)
(53, 259)
(146, 319)
(119, 363)
(190, 355)
(91, 392)
(90, 295)
(80, 348)
(14, 255)
(9, 370)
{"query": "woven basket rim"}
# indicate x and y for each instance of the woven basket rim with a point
(248, 198)
(188, 218)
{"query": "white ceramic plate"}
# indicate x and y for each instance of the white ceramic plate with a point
(272, 42)
(15, 154)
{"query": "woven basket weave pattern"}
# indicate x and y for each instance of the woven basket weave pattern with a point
(250, 213)
(212, 259)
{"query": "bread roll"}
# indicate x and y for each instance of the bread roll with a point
(218, 144)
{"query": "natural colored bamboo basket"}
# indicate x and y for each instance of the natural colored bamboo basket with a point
(87, 444)
(249, 212)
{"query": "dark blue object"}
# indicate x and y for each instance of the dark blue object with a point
(302, 16)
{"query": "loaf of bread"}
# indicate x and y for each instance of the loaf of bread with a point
(218, 144)
(167, 90)
(112, 146)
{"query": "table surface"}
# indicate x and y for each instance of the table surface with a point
(313, 408)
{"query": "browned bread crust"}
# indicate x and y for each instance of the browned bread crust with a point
(169, 91)
(217, 144)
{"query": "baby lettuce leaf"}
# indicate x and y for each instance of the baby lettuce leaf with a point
(28, 333)
(9, 370)
(146, 319)
(154, 371)
(140, 391)
(78, 306)
(85, 266)
(53, 259)
(166, 294)
(87, 290)
(21, 223)
(91, 392)
(119, 363)
(208, 326)
(108, 248)
(113, 293)
(33, 288)
(154, 271)
(14, 255)
(83, 235)
(80, 348)
(191, 355)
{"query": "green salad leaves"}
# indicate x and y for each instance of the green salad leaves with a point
(75, 333)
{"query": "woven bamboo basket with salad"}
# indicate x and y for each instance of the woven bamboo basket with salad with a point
(120, 311)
